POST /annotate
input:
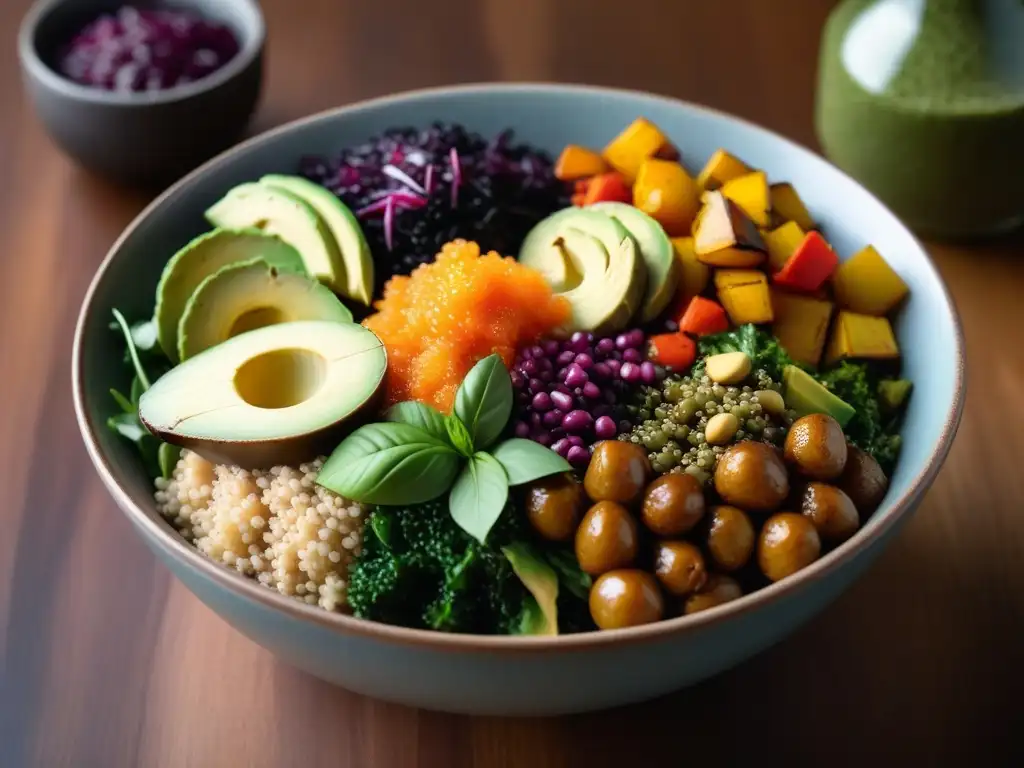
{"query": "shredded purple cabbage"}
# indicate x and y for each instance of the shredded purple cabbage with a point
(415, 190)
(147, 50)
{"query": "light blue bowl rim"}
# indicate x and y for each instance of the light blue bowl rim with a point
(251, 43)
(882, 521)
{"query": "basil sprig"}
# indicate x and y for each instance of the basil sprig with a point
(418, 454)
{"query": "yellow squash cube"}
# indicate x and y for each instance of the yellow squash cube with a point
(750, 192)
(801, 325)
(788, 206)
(666, 192)
(724, 236)
(865, 283)
(744, 294)
(720, 168)
(782, 242)
(627, 151)
(863, 337)
(693, 274)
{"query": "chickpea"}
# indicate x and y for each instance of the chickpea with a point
(717, 590)
(831, 511)
(606, 538)
(679, 566)
(554, 506)
(626, 598)
(751, 476)
(730, 538)
(863, 481)
(788, 543)
(673, 504)
(816, 447)
(618, 471)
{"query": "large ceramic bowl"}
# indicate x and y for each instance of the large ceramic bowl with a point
(524, 675)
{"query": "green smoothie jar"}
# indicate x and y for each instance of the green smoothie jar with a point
(922, 101)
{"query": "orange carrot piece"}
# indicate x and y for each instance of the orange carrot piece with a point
(673, 350)
(811, 264)
(703, 317)
(607, 187)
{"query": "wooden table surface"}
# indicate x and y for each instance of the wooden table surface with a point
(105, 661)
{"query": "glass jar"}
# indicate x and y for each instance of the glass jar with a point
(922, 101)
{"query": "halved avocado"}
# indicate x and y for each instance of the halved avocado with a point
(283, 394)
(355, 251)
(592, 261)
(201, 258)
(663, 269)
(291, 218)
(250, 295)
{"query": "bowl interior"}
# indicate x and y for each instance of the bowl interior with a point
(548, 116)
(56, 23)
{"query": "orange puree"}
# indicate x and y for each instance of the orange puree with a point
(448, 314)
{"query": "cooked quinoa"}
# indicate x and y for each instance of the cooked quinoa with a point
(277, 526)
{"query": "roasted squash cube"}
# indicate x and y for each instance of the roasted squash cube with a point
(744, 294)
(578, 162)
(720, 168)
(788, 206)
(724, 236)
(666, 192)
(693, 274)
(750, 192)
(866, 283)
(627, 151)
(801, 325)
(863, 337)
(782, 243)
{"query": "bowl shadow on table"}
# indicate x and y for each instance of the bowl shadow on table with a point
(878, 673)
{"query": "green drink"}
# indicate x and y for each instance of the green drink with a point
(923, 102)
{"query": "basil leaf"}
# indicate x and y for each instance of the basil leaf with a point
(128, 426)
(390, 463)
(484, 401)
(569, 572)
(144, 335)
(478, 496)
(459, 436)
(132, 351)
(525, 460)
(540, 580)
(381, 526)
(167, 456)
(430, 420)
(123, 402)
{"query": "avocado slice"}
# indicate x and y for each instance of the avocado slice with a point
(201, 258)
(663, 269)
(592, 261)
(252, 294)
(282, 394)
(355, 251)
(894, 392)
(805, 394)
(291, 218)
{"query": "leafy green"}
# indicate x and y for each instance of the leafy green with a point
(870, 429)
(479, 495)
(542, 582)
(526, 460)
(759, 345)
(167, 457)
(133, 353)
(484, 401)
(458, 435)
(569, 572)
(390, 463)
(429, 419)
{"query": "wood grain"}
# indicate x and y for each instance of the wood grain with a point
(104, 661)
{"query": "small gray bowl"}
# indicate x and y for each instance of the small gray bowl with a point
(141, 138)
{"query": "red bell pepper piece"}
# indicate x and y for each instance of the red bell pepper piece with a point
(608, 187)
(811, 264)
(703, 317)
(673, 350)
